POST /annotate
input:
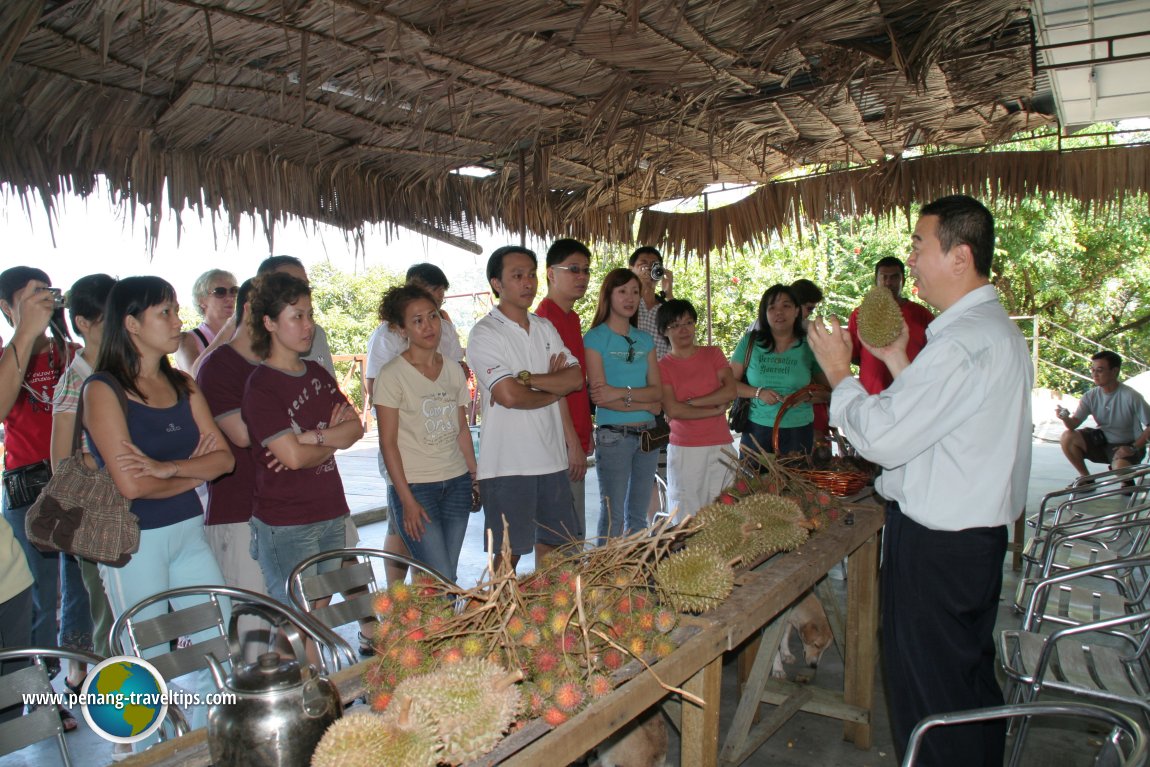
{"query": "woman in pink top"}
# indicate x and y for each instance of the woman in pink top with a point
(698, 387)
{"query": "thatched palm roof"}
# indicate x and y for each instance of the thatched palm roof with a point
(354, 111)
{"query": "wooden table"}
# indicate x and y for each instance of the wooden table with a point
(760, 596)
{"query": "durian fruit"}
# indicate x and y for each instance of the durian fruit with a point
(879, 318)
(471, 703)
(763, 506)
(363, 739)
(695, 579)
(724, 528)
(782, 524)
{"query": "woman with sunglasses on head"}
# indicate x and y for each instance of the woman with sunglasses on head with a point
(34, 361)
(698, 387)
(780, 364)
(159, 443)
(421, 402)
(214, 294)
(623, 380)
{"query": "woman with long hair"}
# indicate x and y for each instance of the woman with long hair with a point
(421, 402)
(623, 379)
(158, 447)
(40, 350)
(297, 418)
(780, 364)
(85, 302)
(698, 387)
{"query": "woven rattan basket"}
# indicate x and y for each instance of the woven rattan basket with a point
(840, 482)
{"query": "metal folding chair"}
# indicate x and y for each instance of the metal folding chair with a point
(143, 636)
(44, 722)
(311, 591)
(1124, 746)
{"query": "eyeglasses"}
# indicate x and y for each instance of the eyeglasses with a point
(221, 292)
(576, 270)
(630, 349)
(677, 325)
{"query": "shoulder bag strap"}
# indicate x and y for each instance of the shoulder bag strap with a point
(115, 386)
(747, 354)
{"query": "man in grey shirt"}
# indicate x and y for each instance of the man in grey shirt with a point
(1122, 415)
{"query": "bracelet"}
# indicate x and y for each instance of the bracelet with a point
(689, 401)
(627, 397)
(758, 391)
(319, 436)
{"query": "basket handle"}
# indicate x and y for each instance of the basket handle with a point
(795, 398)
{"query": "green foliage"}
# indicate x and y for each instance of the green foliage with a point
(346, 305)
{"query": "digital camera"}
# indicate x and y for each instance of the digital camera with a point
(658, 271)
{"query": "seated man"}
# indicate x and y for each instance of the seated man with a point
(1122, 415)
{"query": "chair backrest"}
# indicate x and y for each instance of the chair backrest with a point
(42, 722)
(355, 580)
(215, 611)
(1126, 745)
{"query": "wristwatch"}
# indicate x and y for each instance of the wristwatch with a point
(524, 377)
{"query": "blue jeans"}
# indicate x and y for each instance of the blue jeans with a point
(279, 548)
(626, 479)
(448, 507)
(54, 574)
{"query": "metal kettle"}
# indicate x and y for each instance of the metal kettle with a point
(279, 715)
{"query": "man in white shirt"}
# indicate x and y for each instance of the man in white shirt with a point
(1122, 415)
(523, 370)
(953, 435)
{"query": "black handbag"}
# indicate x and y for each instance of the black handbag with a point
(739, 417)
(80, 511)
(657, 437)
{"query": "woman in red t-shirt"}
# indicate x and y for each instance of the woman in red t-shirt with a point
(31, 306)
(297, 418)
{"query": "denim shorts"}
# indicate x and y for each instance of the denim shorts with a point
(279, 548)
(538, 509)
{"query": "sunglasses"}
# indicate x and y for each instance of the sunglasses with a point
(630, 349)
(677, 325)
(221, 292)
(576, 270)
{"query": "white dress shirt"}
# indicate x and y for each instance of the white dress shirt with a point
(953, 432)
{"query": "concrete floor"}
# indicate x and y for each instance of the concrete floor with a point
(805, 740)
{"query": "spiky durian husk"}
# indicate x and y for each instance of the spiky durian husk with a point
(782, 535)
(472, 703)
(363, 739)
(723, 527)
(762, 507)
(879, 318)
(695, 579)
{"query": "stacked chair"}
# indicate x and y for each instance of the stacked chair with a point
(215, 611)
(353, 576)
(44, 722)
(1083, 597)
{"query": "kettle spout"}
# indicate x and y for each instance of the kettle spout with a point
(217, 671)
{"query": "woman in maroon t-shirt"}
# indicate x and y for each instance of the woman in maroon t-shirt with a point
(297, 418)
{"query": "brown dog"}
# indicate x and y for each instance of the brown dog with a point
(810, 620)
(643, 743)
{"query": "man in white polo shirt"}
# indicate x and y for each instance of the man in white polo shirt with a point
(523, 370)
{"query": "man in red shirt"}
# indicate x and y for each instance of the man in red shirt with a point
(890, 273)
(568, 274)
